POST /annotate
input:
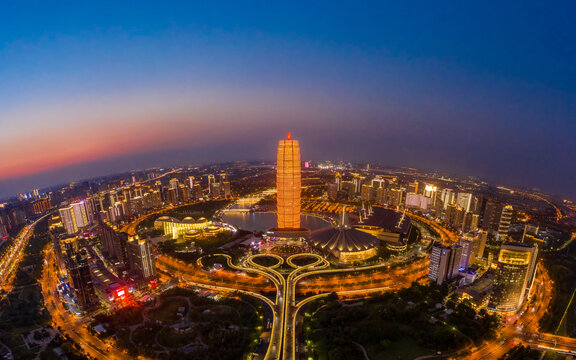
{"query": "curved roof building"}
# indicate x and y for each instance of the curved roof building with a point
(345, 243)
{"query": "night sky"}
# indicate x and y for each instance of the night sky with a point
(483, 89)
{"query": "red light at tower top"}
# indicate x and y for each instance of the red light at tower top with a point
(288, 136)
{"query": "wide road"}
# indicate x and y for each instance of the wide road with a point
(14, 255)
(69, 324)
(523, 328)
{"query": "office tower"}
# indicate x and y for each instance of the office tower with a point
(338, 180)
(464, 200)
(514, 276)
(211, 181)
(81, 280)
(36, 194)
(191, 182)
(223, 177)
(141, 259)
(74, 217)
(412, 188)
(504, 223)
(288, 183)
(444, 263)
(138, 190)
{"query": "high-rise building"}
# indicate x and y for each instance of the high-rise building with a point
(41, 206)
(447, 197)
(395, 197)
(332, 191)
(464, 200)
(191, 182)
(378, 182)
(444, 263)
(367, 193)
(81, 280)
(172, 196)
(504, 223)
(211, 181)
(356, 180)
(431, 191)
(288, 183)
(114, 243)
(514, 276)
(174, 183)
(412, 188)
(141, 259)
(491, 218)
(183, 193)
(338, 180)
(74, 217)
(226, 190)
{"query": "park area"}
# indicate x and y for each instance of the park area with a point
(407, 324)
(184, 323)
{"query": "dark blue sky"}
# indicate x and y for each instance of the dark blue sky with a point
(485, 89)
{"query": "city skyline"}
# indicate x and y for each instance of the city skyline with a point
(485, 92)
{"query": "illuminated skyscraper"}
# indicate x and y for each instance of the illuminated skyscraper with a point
(339, 181)
(81, 280)
(141, 258)
(74, 217)
(174, 183)
(444, 263)
(516, 269)
(288, 183)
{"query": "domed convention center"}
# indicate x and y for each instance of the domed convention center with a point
(189, 228)
(345, 243)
